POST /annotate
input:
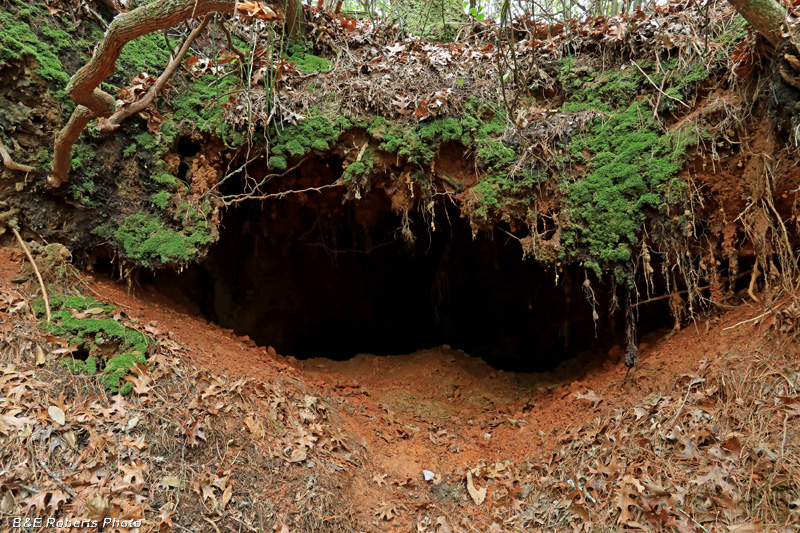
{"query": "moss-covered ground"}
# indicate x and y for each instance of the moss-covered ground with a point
(110, 348)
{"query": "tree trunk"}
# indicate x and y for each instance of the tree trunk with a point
(293, 18)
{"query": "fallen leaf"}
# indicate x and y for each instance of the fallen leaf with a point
(57, 414)
(478, 495)
(589, 396)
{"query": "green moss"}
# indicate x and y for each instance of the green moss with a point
(161, 199)
(149, 53)
(603, 91)
(117, 368)
(315, 133)
(631, 163)
(82, 184)
(109, 344)
(277, 162)
(305, 61)
(162, 177)
(199, 107)
(18, 39)
(148, 241)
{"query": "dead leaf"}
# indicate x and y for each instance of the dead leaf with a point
(478, 495)
(57, 414)
(388, 511)
(589, 396)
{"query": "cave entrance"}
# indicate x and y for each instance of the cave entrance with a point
(315, 277)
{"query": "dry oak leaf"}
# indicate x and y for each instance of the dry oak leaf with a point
(380, 479)
(257, 10)
(52, 499)
(10, 420)
(141, 380)
(133, 475)
(589, 396)
(388, 511)
(194, 431)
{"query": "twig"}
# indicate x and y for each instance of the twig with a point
(55, 477)
(657, 87)
(242, 57)
(692, 383)
(783, 442)
(9, 163)
(692, 519)
(36, 270)
(753, 279)
(762, 315)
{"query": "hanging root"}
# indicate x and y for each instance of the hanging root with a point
(36, 270)
(9, 163)
(631, 347)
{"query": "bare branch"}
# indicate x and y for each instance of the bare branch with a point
(112, 123)
(83, 87)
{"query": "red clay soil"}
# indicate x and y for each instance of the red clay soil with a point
(439, 409)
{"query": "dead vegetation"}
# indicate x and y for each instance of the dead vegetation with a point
(187, 450)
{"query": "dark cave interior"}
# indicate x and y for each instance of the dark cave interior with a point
(314, 276)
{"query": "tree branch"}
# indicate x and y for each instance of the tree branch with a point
(765, 16)
(112, 123)
(83, 87)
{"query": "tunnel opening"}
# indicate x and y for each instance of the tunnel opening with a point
(313, 276)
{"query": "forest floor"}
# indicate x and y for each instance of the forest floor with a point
(270, 443)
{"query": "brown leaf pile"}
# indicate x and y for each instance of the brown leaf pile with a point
(188, 448)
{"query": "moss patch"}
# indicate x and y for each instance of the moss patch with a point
(147, 240)
(198, 107)
(89, 326)
(630, 162)
(18, 39)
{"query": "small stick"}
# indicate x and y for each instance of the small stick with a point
(753, 279)
(748, 321)
(656, 86)
(36, 270)
(55, 477)
(9, 163)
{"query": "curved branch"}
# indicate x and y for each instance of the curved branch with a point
(112, 123)
(9, 163)
(83, 87)
(765, 16)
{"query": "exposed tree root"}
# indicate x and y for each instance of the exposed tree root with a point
(83, 87)
(10, 163)
(765, 16)
(112, 123)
